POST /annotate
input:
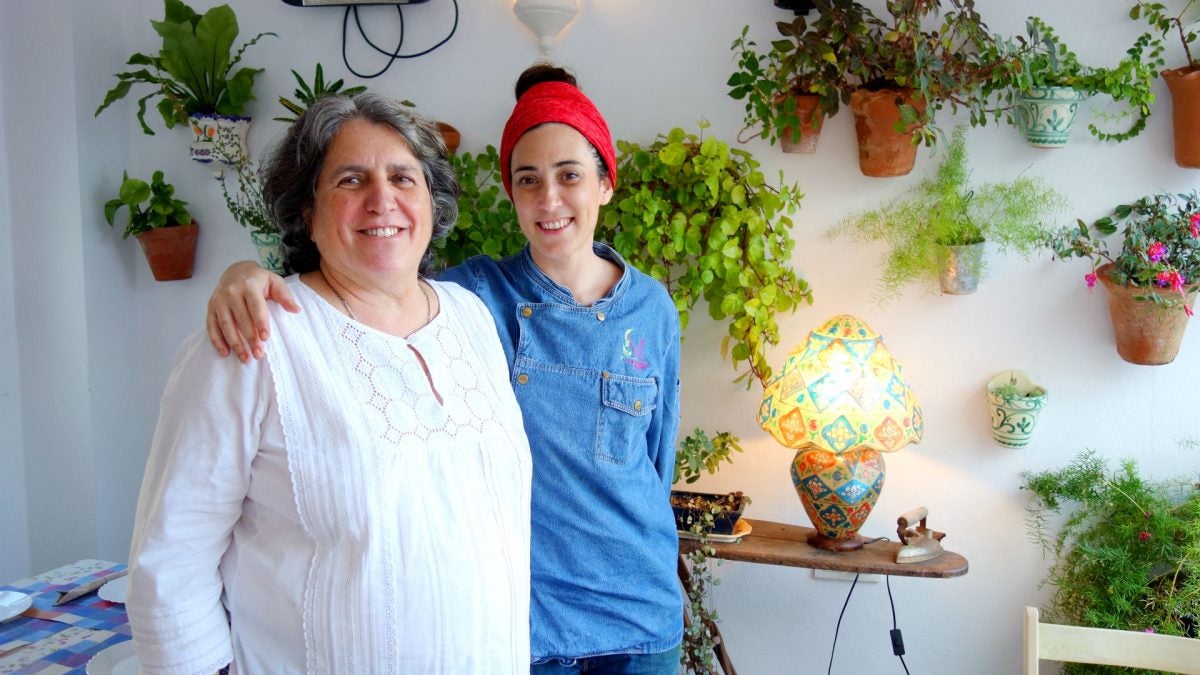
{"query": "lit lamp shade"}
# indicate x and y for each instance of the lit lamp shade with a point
(840, 400)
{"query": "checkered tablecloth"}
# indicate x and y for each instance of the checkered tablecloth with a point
(50, 640)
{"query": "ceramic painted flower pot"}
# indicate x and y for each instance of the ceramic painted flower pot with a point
(1015, 401)
(960, 276)
(810, 131)
(170, 251)
(1046, 115)
(270, 250)
(1147, 334)
(1184, 85)
(219, 137)
(882, 151)
(450, 136)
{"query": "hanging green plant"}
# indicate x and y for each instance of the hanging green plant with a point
(690, 212)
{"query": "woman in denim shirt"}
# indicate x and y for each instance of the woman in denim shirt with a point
(593, 346)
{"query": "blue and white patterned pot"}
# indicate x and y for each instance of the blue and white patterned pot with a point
(1046, 114)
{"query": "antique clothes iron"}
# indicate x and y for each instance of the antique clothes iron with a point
(918, 543)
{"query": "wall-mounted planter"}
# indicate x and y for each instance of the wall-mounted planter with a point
(218, 137)
(1046, 114)
(882, 151)
(1184, 85)
(960, 276)
(1014, 401)
(170, 251)
(1147, 334)
(810, 131)
(270, 250)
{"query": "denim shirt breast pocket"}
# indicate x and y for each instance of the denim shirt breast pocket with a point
(625, 414)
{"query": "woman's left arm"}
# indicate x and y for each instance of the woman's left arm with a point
(192, 493)
(660, 440)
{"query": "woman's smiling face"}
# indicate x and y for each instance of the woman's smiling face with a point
(557, 192)
(372, 213)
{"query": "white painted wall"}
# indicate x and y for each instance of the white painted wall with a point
(95, 336)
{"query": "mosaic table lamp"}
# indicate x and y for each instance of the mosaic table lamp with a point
(840, 400)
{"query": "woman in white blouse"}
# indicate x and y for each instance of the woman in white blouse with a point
(357, 501)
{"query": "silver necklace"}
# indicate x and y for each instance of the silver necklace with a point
(350, 312)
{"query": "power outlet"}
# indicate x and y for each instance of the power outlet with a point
(830, 575)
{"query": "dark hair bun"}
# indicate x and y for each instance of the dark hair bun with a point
(542, 72)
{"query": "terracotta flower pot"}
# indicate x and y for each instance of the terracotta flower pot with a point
(171, 251)
(810, 132)
(882, 151)
(1146, 334)
(450, 136)
(1184, 85)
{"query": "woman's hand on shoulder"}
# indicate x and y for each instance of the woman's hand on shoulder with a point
(237, 311)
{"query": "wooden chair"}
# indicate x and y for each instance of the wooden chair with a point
(1078, 644)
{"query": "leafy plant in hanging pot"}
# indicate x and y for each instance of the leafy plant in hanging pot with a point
(925, 57)
(193, 75)
(937, 231)
(164, 228)
(1051, 82)
(1183, 82)
(794, 86)
(1152, 282)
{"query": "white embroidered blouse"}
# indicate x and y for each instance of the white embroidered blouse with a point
(320, 511)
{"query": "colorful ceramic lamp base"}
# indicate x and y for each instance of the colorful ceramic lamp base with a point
(838, 492)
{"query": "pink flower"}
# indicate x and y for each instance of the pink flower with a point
(1173, 279)
(1195, 225)
(1187, 309)
(1147, 630)
(1144, 535)
(1090, 278)
(1157, 251)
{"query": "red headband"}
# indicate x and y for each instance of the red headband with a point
(556, 102)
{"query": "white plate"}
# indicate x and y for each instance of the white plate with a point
(119, 659)
(13, 603)
(114, 591)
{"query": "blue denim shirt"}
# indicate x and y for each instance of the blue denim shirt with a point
(599, 392)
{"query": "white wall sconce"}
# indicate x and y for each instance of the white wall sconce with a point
(546, 18)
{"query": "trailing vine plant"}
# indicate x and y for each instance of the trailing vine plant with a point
(689, 211)
(1128, 554)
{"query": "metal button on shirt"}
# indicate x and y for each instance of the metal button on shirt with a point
(523, 378)
(599, 316)
(527, 312)
(637, 405)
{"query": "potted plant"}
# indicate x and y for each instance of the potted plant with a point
(164, 228)
(1127, 555)
(193, 75)
(1051, 82)
(306, 93)
(1183, 82)
(689, 211)
(924, 57)
(1151, 283)
(937, 231)
(702, 515)
(1015, 401)
(794, 86)
(247, 206)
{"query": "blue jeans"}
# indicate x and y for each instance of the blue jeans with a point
(661, 663)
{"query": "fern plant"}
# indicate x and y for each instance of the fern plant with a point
(1128, 554)
(946, 211)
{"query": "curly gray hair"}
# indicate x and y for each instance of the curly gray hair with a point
(290, 174)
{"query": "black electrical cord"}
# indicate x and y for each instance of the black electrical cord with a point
(391, 54)
(833, 649)
(897, 641)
